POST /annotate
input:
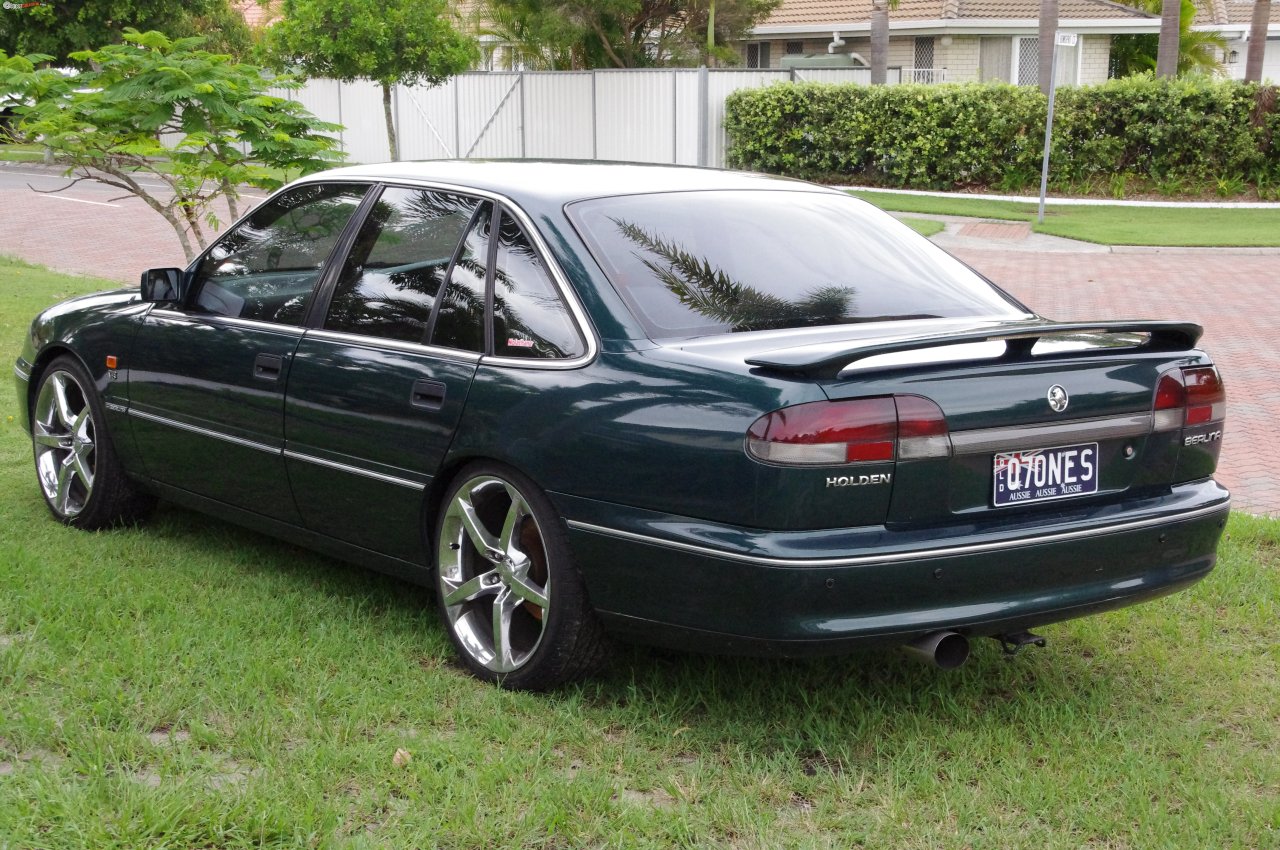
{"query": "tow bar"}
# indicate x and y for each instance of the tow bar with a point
(1014, 642)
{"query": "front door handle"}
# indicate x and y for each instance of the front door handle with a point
(268, 367)
(428, 395)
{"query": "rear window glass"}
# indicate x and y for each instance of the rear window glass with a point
(695, 263)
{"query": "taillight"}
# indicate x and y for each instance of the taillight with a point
(922, 429)
(1206, 396)
(830, 433)
(1188, 397)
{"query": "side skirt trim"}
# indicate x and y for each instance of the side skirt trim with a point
(204, 432)
(355, 470)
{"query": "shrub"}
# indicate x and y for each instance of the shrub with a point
(1134, 130)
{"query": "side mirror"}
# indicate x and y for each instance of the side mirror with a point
(163, 285)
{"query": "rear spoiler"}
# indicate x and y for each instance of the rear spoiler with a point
(829, 358)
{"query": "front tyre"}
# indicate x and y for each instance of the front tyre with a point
(80, 477)
(508, 589)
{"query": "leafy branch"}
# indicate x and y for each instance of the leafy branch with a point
(709, 291)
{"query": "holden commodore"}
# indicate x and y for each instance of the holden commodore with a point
(695, 408)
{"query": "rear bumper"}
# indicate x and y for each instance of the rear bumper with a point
(660, 579)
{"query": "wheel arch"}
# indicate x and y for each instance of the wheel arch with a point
(47, 355)
(443, 480)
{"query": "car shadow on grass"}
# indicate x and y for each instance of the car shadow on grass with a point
(711, 692)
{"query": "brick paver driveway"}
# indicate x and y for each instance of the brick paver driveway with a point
(1236, 296)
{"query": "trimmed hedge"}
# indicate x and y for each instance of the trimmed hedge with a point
(1175, 135)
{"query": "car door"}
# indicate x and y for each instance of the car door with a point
(207, 377)
(371, 406)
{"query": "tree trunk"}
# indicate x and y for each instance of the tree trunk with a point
(711, 32)
(1048, 32)
(1257, 40)
(391, 123)
(879, 42)
(1170, 32)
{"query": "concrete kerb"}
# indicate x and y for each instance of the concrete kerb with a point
(1078, 202)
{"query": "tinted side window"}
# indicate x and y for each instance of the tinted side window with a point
(459, 319)
(389, 283)
(529, 318)
(267, 268)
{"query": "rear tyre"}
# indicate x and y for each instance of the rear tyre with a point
(80, 476)
(508, 590)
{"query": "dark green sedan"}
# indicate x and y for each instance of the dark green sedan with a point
(702, 409)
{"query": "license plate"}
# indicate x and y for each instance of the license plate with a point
(1042, 475)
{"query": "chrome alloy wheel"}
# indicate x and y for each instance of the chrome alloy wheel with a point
(63, 432)
(494, 582)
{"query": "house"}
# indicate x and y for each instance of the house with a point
(257, 15)
(949, 40)
(1231, 19)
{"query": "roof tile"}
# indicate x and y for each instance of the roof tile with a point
(823, 12)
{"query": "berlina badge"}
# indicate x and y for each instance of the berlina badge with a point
(1057, 398)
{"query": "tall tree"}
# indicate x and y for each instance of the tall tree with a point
(1257, 40)
(1170, 30)
(65, 27)
(580, 34)
(880, 40)
(1048, 36)
(222, 127)
(391, 42)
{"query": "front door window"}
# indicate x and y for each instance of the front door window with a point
(267, 267)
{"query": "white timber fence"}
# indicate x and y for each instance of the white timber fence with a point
(640, 115)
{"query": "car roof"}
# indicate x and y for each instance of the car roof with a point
(563, 181)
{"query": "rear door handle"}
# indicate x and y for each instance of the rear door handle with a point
(268, 366)
(428, 395)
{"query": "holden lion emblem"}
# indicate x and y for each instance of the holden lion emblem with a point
(1057, 398)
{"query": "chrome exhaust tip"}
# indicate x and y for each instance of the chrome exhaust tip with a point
(944, 650)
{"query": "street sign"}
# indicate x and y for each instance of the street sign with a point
(1061, 39)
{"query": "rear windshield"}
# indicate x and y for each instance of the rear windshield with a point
(695, 263)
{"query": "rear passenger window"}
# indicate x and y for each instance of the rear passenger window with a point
(529, 318)
(459, 319)
(267, 267)
(389, 284)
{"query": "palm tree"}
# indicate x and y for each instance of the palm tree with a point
(1257, 40)
(1170, 32)
(880, 40)
(1048, 35)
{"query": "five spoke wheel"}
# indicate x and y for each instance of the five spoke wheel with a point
(64, 434)
(510, 594)
(494, 581)
(80, 475)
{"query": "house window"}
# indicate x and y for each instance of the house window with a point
(758, 54)
(1027, 51)
(924, 52)
(995, 59)
(795, 48)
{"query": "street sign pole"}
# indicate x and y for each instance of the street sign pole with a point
(1062, 39)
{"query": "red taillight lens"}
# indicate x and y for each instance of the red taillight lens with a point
(922, 429)
(828, 433)
(1186, 397)
(1206, 396)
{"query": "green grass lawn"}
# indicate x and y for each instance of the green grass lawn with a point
(924, 226)
(1107, 225)
(21, 153)
(192, 685)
